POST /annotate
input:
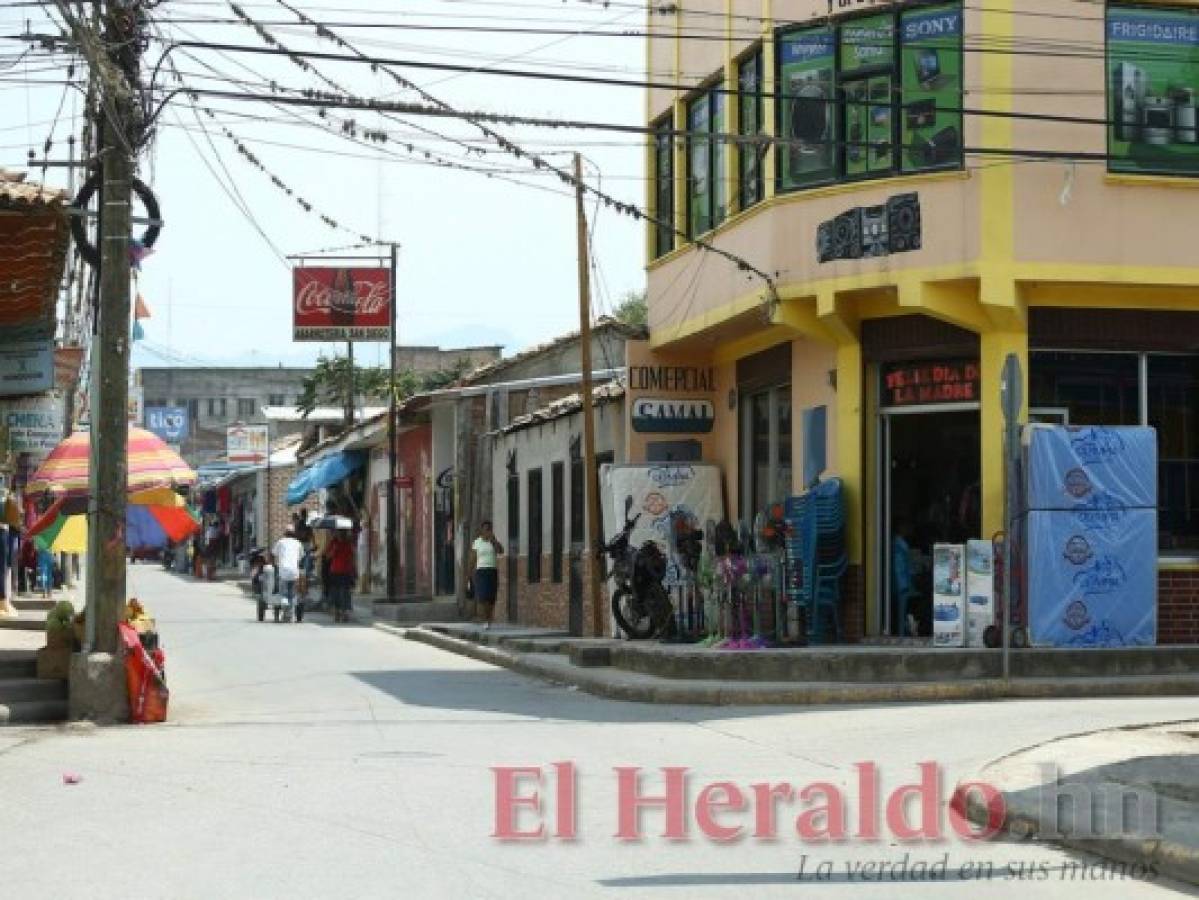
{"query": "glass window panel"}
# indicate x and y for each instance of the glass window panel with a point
(782, 481)
(749, 156)
(1153, 82)
(931, 80)
(761, 451)
(1096, 388)
(720, 154)
(699, 166)
(664, 186)
(807, 107)
(1173, 390)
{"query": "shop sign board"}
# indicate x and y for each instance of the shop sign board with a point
(168, 422)
(683, 379)
(653, 415)
(246, 444)
(919, 384)
(26, 367)
(34, 426)
(332, 304)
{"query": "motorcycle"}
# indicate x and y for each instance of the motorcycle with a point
(640, 602)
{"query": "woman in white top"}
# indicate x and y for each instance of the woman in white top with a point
(484, 564)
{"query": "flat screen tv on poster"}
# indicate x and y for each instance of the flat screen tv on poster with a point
(337, 304)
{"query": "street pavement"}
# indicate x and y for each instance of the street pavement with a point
(329, 761)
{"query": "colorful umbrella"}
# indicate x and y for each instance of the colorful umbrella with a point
(63, 527)
(152, 464)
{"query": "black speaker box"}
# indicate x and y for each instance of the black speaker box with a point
(824, 242)
(874, 231)
(847, 235)
(903, 223)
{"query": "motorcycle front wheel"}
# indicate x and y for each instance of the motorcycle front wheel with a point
(632, 616)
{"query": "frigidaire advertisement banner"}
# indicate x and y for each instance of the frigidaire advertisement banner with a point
(1153, 72)
(331, 304)
(808, 111)
(866, 45)
(932, 87)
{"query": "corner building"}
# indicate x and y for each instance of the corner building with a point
(931, 186)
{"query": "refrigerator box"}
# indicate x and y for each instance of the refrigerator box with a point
(1098, 467)
(980, 591)
(1089, 587)
(949, 595)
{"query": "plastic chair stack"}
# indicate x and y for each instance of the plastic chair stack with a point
(817, 558)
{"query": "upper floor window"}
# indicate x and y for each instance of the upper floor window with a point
(853, 94)
(749, 124)
(276, 400)
(245, 406)
(707, 194)
(1153, 83)
(663, 187)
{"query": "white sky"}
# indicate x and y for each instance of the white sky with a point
(483, 261)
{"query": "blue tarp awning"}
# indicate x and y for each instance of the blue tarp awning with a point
(326, 471)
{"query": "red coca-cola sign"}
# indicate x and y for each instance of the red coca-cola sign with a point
(332, 304)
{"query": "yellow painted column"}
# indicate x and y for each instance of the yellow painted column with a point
(994, 348)
(850, 406)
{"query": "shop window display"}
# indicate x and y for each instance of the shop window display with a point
(707, 195)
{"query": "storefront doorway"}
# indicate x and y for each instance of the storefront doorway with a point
(930, 493)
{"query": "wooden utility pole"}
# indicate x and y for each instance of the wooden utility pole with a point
(392, 462)
(594, 533)
(117, 76)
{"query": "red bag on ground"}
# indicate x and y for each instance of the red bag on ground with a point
(148, 694)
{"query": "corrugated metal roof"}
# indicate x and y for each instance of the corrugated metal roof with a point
(566, 406)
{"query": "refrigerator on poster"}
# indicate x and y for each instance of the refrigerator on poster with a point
(808, 109)
(931, 67)
(1153, 84)
(949, 595)
(980, 591)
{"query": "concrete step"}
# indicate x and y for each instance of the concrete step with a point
(24, 622)
(18, 664)
(414, 612)
(22, 690)
(33, 712)
(33, 604)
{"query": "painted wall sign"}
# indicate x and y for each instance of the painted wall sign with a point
(26, 367)
(673, 416)
(246, 444)
(915, 384)
(684, 379)
(168, 422)
(331, 304)
(893, 227)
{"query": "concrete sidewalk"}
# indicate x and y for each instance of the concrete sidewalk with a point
(1127, 794)
(656, 673)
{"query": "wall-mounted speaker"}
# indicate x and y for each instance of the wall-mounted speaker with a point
(903, 223)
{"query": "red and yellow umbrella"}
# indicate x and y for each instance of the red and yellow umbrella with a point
(152, 464)
(148, 523)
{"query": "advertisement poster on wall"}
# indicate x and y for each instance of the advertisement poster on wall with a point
(34, 427)
(700, 200)
(808, 111)
(1153, 73)
(931, 126)
(331, 304)
(26, 368)
(170, 423)
(246, 444)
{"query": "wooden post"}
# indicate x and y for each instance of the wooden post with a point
(594, 534)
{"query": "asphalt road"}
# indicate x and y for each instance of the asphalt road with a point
(329, 761)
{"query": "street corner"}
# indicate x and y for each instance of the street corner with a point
(1128, 795)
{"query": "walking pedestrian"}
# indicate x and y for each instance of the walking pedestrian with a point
(288, 553)
(485, 572)
(340, 554)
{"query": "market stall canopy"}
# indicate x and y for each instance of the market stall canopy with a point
(325, 472)
(152, 464)
(63, 527)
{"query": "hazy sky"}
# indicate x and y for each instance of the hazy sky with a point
(483, 261)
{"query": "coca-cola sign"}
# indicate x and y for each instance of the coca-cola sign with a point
(332, 304)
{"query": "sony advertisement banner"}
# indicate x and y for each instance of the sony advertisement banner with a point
(931, 61)
(1153, 83)
(170, 423)
(246, 444)
(333, 304)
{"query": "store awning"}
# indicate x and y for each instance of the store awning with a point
(325, 472)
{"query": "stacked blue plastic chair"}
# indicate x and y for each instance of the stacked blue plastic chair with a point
(817, 557)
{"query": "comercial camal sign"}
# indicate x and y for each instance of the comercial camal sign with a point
(332, 304)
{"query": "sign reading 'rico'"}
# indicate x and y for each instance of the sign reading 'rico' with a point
(331, 304)
(914, 384)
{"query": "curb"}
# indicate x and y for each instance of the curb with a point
(620, 684)
(1166, 858)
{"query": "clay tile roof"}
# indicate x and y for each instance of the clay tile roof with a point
(17, 193)
(566, 406)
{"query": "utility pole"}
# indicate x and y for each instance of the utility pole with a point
(350, 385)
(392, 474)
(117, 75)
(594, 534)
